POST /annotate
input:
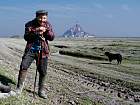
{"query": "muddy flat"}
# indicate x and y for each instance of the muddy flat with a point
(77, 80)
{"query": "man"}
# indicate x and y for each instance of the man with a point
(37, 33)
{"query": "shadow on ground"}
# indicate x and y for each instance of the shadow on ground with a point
(5, 80)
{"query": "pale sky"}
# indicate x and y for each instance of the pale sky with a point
(118, 18)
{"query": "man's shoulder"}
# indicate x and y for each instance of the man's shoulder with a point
(30, 23)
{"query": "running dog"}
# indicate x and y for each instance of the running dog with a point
(112, 56)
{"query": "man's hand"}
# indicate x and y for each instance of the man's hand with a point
(40, 30)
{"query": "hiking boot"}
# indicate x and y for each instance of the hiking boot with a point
(4, 88)
(41, 83)
(42, 94)
(21, 79)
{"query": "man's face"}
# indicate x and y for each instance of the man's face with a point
(42, 19)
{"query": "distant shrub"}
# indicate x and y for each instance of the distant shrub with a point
(82, 55)
(61, 46)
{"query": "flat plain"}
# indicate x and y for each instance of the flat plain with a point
(78, 72)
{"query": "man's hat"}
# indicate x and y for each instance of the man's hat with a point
(41, 12)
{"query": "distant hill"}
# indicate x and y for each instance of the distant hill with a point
(76, 31)
(15, 36)
(11, 36)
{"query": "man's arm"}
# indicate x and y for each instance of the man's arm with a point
(29, 34)
(49, 34)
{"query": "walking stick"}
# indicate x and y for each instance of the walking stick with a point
(36, 73)
(38, 62)
(35, 84)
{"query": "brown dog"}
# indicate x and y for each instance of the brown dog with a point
(112, 56)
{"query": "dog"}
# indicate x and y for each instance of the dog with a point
(112, 56)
